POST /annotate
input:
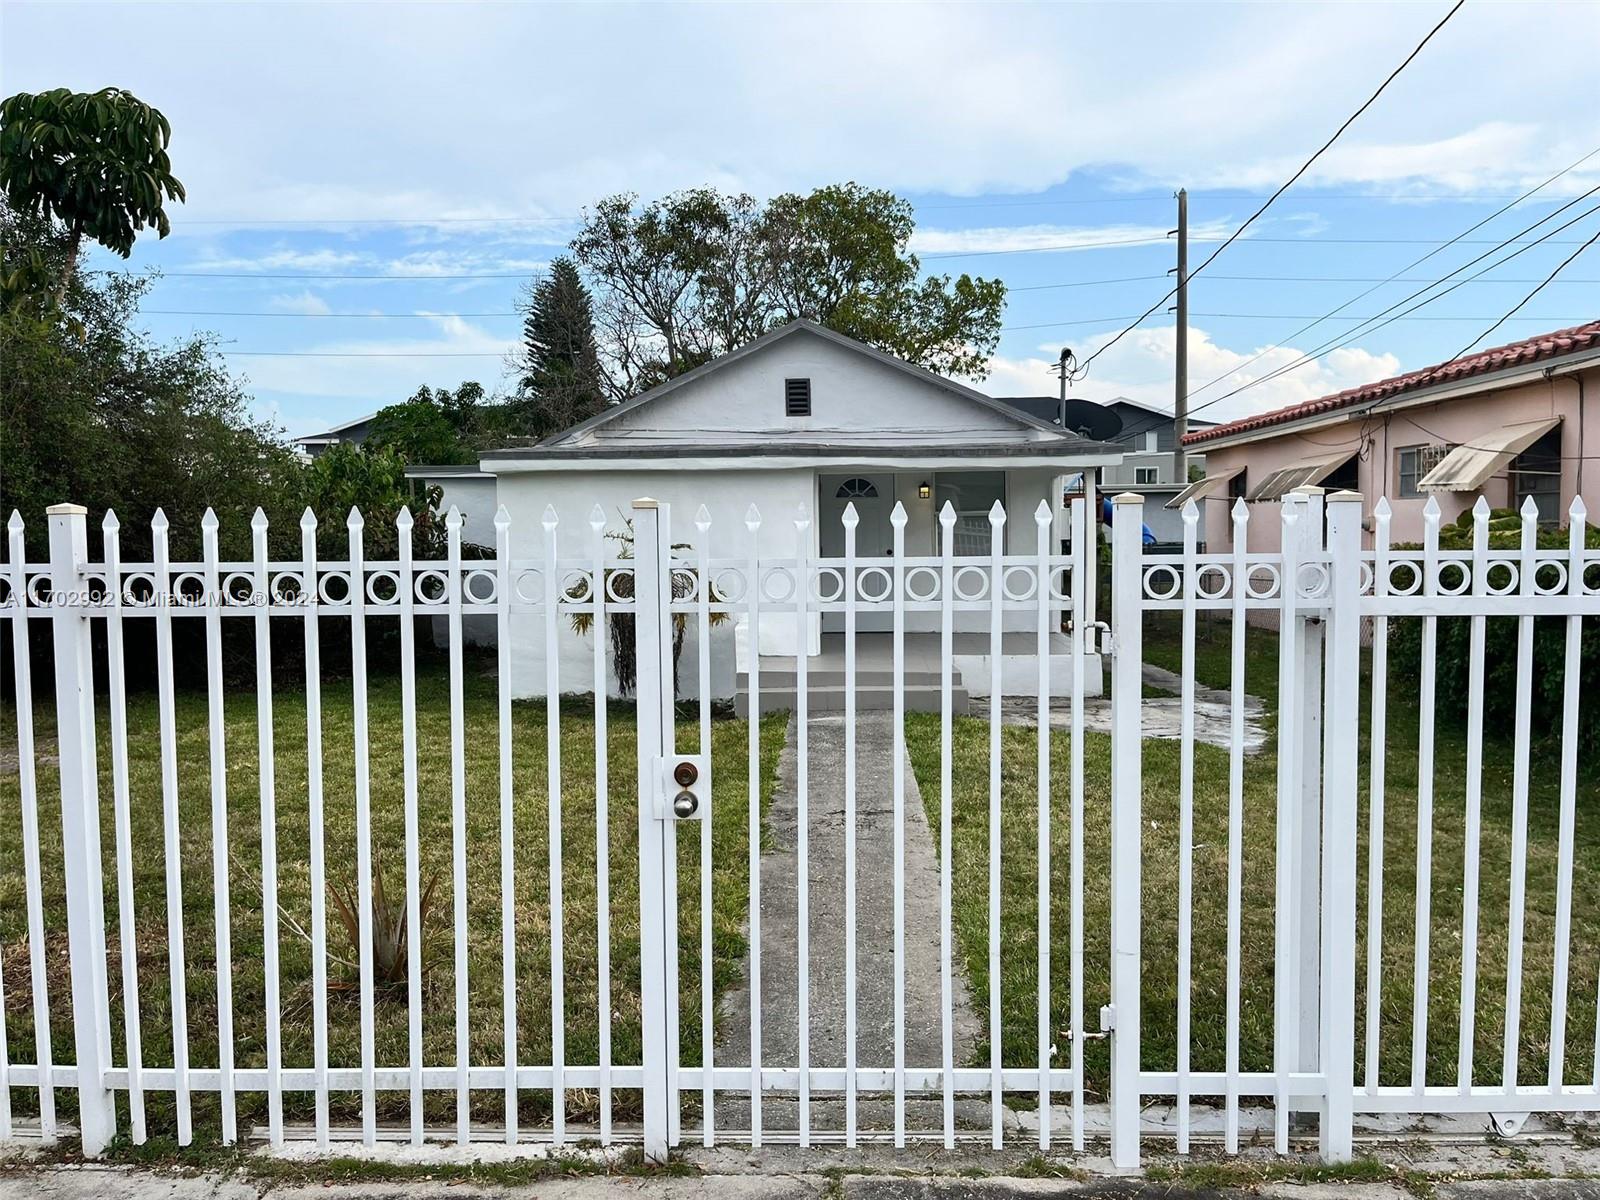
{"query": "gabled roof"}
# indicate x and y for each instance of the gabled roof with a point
(776, 335)
(1484, 362)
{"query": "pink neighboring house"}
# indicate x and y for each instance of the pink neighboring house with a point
(1508, 423)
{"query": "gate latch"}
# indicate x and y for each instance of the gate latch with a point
(683, 787)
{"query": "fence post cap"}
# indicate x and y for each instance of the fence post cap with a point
(1344, 496)
(1127, 498)
(1309, 489)
(646, 502)
(66, 510)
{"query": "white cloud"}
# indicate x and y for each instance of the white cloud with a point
(1140, 367)
(369, 118)
(306, 303)
(1011, 239)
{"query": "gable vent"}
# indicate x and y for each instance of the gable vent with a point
(797, 397)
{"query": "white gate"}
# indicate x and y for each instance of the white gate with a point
(1083, 890)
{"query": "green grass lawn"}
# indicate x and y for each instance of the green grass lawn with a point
(730, 858)
(1019, 949)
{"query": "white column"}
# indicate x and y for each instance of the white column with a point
(653, 908)
(1307, 646)
(80, 823)
(1339, 826)
(1127, 587)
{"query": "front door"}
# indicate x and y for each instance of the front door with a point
(873, 496)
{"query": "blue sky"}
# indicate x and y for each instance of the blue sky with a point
(449, 149)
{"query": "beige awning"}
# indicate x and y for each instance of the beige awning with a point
(1281, 482)
(1200, 489)
(1468, 468)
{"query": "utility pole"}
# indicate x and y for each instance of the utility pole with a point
(1063, 370)
(1180, 397)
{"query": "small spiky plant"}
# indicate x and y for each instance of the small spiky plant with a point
(390, 951)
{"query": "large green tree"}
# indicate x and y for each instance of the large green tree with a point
(562, 382)
(95, 161)
(436, 426)
(697, 273)
(93, 411)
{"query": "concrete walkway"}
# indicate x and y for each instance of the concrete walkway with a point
(780, 1036)
(1162, 715)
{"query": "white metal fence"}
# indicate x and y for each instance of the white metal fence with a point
(1319, 591)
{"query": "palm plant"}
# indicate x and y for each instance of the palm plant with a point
(619, 584)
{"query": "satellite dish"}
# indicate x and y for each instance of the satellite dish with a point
(1095, 421)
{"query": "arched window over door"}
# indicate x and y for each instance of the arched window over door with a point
(857, 489)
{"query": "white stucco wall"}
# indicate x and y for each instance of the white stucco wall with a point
(726, 494)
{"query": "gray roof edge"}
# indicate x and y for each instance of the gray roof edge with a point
(1071, 446)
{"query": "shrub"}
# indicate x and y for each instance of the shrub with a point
(1500, 666)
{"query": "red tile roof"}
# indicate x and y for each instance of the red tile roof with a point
(1529, 350)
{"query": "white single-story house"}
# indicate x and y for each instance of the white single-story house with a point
(802, 416)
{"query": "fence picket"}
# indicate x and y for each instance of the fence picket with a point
(708, 1000)
(1046, 1045)
(897, 521)
(311, 596)
(1378, 735)
(1191, 522)
(997, 549)
(1577, 517)
(850, 520)
(1424, 893)
(552, 711)
(802, 723)
(1083, 548)
(122, 823)
(357, 596)
(1289, 695)
(1527, 568)
(1474, 800)
(269, 829)
(22, 661)
(1239, 590)
(508, 875)
(219, 824)
(602, 839)
(171, 844)
(752, 522)
(408, 755)
(458, 822)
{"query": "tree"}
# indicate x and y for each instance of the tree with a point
(439, 426)
(95, 161)
(698, 273)
(562, 382)
(373, 479)
(94, 412)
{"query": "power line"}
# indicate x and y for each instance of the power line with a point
(1410, 266)
(1053, 202)
(1349, 336)
(1306, 166)
(430, 316)
(1566, 262)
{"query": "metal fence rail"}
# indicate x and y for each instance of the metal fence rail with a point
(1320, 589)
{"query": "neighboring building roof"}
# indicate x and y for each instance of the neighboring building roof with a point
(1048, 409)
(331, 434)
(1484, 362)
(766, 339)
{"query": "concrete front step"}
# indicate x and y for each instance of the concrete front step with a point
(868, 699)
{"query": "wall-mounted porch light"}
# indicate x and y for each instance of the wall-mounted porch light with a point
(923, 490)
